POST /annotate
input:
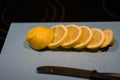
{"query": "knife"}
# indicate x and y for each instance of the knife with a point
(89, 74)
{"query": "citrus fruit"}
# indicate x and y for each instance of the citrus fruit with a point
(60, 35)
(97, 38)
(85, 37)
(74, 33)
(108, 37)
(39, 37)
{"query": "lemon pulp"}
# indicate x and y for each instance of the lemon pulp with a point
(85, 37)
(74, 33)
(60, 34)
(108, 38)
(97, 38)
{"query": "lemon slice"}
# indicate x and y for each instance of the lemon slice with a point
(97, 38)
(74, 33)
(85, 37)
(109, 37)
(39, 37)
(60, 35)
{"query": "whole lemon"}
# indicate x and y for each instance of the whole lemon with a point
(39, 37)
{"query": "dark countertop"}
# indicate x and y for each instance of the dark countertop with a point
(56, 11)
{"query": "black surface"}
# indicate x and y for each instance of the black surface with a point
(55, 11)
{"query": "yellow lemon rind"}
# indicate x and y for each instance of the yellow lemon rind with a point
(35, 40)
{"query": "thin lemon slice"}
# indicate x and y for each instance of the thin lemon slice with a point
(39, 37)
(74, 33)
(97, 38)
(109, 37)
(85, 37)
(60, 35)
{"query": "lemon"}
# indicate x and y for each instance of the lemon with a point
(85, 37)
(109, 37)
(60, 35)
(39, 37)
(74, 33)
(97, 38)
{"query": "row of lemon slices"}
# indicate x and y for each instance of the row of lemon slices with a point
(69, 36)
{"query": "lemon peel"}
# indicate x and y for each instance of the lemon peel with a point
(39, 37)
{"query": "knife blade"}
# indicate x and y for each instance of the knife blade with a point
(89, 74)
